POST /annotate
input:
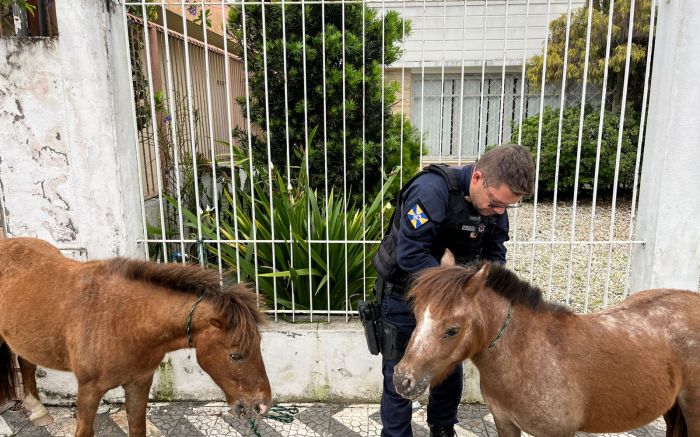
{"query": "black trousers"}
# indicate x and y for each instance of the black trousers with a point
(395, 410)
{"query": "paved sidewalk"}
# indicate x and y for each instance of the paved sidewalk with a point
(212, 419)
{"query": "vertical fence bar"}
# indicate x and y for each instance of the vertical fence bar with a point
(403, 95)
(210, 116)
(325, 153)
(422, 89)
(140, 163)
(520, 128)
(345, 155)
(269, 153)
(562, 105)
(381, 139)
(599, 142)
(483, 76)
(364, 147)
(640, 140)
(173, 129)
(232, 162)
(250, 146)
(307, 149)
(578, 148)
(538, 159)
(611, 233)
(155, 131)
(441, 130)
(289, 162)
(501, 109)
(461, 85)
(193, 133)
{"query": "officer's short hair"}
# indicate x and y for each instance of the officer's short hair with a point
(509, 164)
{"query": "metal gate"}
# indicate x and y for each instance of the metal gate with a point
(274, 134)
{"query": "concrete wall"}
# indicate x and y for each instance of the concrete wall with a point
(304, 361)
(669, 201)
(67, 160)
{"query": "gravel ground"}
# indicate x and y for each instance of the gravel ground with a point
(599, 271)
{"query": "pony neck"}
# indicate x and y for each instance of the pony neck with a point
(497, 314)
(168, 318)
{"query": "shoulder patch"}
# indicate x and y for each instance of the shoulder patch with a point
(418, 216)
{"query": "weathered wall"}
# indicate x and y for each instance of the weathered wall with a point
(305, 362)
(67, 160)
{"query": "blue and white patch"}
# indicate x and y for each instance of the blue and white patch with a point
(417, 216)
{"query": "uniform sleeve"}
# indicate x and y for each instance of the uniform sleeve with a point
(423, 209)
(494, 248)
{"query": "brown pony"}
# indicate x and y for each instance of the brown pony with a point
(111, 322)
(548, 371)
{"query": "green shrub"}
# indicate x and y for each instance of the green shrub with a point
(589, 140)
(292, 211)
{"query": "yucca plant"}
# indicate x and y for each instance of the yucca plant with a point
(301, 267)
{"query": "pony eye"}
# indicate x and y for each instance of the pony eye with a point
(236, 356)
(451, 332)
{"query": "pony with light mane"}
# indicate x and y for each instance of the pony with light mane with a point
(111, 322)
(548, 371)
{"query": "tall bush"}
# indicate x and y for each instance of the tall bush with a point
(619, 32)
(589, 141)
(337, 113)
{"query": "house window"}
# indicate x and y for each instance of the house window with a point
(449, 135)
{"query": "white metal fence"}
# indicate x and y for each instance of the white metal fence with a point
(321, 144)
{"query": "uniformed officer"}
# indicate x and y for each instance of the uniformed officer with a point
(443, 207)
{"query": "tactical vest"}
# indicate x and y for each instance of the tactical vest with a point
(463, 231)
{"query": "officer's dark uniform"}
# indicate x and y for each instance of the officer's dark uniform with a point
(431, 215)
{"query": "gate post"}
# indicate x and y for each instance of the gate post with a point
(669, 200)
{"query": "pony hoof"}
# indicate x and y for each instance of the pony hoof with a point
(43, 420)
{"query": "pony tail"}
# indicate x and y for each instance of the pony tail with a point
(675, 422)
(8, 377)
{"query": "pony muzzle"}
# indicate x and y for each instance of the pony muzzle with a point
(242, 409)
(407, 386)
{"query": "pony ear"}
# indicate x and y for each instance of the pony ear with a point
(448, 258)
(480, 276)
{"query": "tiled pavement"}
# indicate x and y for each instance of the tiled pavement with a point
(212, 419)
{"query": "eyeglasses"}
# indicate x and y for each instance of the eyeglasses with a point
(493, 204)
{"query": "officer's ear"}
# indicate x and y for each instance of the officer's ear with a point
(448, 258)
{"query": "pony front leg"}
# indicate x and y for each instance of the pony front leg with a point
(136, 396)
(38, 414)
(89, 396)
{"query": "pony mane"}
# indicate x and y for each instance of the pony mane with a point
(440, 284)
(236, 303)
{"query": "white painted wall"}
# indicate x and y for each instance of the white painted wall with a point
(304, 362)
(441, 34)
(67, 159)
(669, 198)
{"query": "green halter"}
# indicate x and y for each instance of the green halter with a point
(500, 333)
(189, 318)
